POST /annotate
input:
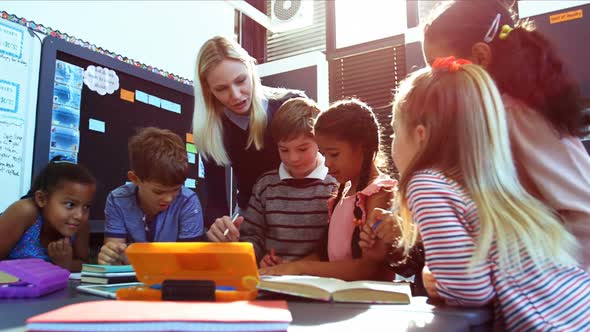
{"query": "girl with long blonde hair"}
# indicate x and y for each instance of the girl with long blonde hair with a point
(486, 240)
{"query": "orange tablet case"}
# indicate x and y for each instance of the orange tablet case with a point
(230, 265)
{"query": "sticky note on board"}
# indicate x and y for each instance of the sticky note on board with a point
(127, 95)
(190, 138)
(141, 96)
(174, 107)
(170, 106)
(191, 148)
(190, 183)
(153, 100)
(191, 157)
(96, 125)
(566, 16)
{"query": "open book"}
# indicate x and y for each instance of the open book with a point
(330, 289)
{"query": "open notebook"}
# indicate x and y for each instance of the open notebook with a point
(330, 289)
(165, 316)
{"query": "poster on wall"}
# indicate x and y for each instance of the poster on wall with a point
(65, 118)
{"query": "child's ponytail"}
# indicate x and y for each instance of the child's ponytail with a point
(40, 181)
(364, 179)
(338, 196)
(57, 171)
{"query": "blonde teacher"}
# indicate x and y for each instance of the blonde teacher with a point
(233, 112)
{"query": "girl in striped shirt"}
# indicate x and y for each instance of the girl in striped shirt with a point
(486, 240)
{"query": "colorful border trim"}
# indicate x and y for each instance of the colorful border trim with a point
(56, 33)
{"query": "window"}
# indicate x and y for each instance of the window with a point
(366, 53)
(359, 22)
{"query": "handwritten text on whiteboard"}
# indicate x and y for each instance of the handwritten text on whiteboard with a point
(11, 145)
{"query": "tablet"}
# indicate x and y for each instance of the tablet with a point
(108, 291)
(229, 265)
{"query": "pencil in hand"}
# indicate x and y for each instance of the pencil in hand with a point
(233, 221)
(376, 224)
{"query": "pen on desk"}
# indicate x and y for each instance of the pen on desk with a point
(233, 220)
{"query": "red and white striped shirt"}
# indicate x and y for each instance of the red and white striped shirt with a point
(532, 299)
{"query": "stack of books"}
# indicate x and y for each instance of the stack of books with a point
(107, 274)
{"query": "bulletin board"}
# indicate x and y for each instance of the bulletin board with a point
(90, 104)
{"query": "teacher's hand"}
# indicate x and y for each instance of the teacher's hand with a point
(217, 231)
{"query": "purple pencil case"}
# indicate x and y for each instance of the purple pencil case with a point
(37, 277)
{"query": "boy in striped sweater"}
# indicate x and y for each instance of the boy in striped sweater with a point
(287, 214)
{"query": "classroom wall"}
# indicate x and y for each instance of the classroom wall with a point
(163, 34)
(528, 8)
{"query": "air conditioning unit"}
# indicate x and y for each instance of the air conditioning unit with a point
(283, 14)
(291, 14)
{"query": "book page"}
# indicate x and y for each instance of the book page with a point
(338, 290)
(374, 292)
(328, 284)
(384, 286)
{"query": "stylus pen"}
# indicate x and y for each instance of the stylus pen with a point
(374, 227)
(233, 220)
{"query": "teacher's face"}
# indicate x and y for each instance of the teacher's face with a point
(231, 83)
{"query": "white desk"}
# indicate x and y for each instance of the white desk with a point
(307, 316)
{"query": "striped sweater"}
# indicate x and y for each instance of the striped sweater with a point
(553, 299)
(289, 215)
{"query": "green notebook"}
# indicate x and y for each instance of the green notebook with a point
(106, 268)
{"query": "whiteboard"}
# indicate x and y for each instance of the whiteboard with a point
(20, 57)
